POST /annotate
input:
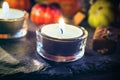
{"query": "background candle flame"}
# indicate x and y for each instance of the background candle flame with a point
(5, 9)
(61, 25)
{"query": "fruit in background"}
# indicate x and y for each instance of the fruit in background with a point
(68, 7)
(56, 11)
(44, 14)
(19, 4)
(100, 14)
(37, 13)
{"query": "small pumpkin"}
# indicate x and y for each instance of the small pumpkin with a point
(19, 4)
(45, 14)
(68, 7)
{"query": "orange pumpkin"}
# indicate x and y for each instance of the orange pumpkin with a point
(69, 7)
(19, 4)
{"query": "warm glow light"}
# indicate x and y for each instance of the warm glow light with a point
(5, 9)
(61, 25)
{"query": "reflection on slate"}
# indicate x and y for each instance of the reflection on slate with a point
(19, 61)
(15, 57)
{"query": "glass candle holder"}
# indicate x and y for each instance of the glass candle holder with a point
(13, 26)
(61, 49)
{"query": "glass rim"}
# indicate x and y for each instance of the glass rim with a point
(83, 36)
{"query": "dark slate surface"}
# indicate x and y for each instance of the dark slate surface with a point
(20, 61)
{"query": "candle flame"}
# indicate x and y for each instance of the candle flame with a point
(5, 9)
(61, 25)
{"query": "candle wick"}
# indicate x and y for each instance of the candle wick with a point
(61, 30)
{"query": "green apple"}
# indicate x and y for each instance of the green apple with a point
(100, 14)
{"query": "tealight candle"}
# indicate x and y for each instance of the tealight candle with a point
(61, 44)
(68, 31)
(11, 20)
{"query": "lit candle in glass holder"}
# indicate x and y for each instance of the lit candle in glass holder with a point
(12, 22)
(61, 42)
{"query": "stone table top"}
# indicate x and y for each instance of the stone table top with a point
(20, 61)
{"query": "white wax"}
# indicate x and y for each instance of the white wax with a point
(70, 31)
(13, 14)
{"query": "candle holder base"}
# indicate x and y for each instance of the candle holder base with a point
(59, 49)
(21, 33)
(59, 58)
